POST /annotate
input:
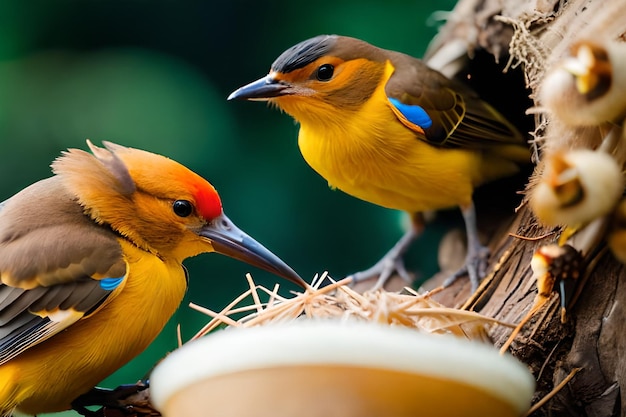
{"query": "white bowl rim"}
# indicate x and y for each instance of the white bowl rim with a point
(341, 342)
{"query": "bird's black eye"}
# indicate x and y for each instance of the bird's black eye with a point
(325, 72)
(182, 208)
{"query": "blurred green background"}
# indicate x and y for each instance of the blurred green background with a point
(155, 75)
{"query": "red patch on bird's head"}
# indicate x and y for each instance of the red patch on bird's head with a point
(208, 202)
(204, 196)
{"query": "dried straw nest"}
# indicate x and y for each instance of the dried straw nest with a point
(327, 298)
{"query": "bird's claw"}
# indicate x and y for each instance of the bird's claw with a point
(107, 398)
(126, 390)
(383, 269)
(393, 261)
(475, 268)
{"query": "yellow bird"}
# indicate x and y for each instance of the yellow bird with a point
(91, 268)
(384, 127)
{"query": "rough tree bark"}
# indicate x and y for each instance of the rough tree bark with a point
(527, 36)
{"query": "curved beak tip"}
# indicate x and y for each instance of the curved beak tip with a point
(235, 95)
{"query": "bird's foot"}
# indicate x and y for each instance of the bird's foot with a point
(383, 269)
(108, 399)
(475, 267)
(392, 262)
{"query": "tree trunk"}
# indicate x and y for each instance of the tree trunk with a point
(527, 37)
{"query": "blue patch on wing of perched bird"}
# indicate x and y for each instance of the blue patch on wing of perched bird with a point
(109, 284)
(413, 113)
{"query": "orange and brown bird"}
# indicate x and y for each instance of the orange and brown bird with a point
(91, 268)
(384, 127)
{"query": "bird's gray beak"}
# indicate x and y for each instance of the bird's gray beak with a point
(229, 240)
(261, 90)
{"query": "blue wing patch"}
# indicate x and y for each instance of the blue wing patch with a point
(109, 284)
(413, 113)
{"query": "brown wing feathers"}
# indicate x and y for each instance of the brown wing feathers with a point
(49, 265)
(460, 117)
